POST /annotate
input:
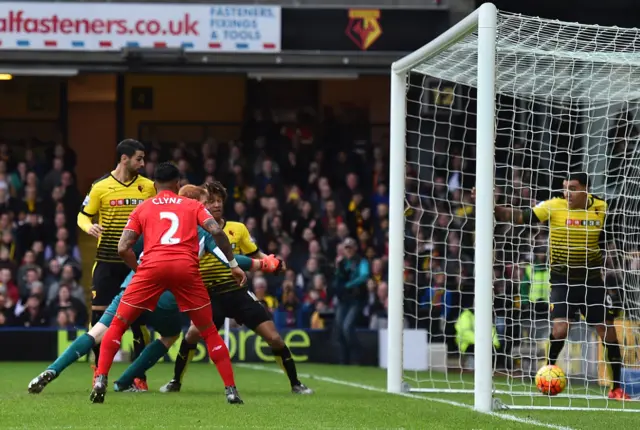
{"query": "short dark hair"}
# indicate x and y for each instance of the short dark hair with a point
(581, 177)
(216, 188)
(166, 172)
(128, 147)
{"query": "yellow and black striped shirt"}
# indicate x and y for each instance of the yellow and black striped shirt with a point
(215, 274)
(574, 236)
(114, 202)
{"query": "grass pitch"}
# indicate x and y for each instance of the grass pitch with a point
(346, 398)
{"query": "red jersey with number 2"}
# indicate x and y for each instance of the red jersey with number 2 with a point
(169, 224)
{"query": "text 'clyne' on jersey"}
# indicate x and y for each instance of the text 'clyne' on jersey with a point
(215, 274)
(114, 201)
(169, 223)
(574, 236)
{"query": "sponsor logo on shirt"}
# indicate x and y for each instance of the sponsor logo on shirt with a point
(125, 202)
(583, 222)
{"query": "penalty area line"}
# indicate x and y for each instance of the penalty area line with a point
(500, 415)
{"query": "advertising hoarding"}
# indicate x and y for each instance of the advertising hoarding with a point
(312, 346)
(113, 26)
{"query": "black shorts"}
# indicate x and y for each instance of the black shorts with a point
(590, 298)
(107, 280)
(241, 305)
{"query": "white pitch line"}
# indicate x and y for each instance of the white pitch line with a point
(506, 417)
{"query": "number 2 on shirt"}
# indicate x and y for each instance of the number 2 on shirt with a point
(168, 238)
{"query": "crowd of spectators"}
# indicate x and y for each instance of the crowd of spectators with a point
(315, 194)
(40, 263)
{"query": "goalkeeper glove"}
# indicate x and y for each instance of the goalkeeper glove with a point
(271, 264)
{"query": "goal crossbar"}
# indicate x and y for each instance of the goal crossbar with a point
(458, 32)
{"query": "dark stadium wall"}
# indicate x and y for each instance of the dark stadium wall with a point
(26, 97)
(30, 108)
(219, 98)
(370, 92)
(91, 111)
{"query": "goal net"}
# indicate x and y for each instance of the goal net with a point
(473, 294)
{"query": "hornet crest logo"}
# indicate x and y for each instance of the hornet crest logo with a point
(364, 27)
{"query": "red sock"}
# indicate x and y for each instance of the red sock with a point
(215, 345)
(219, 355)
(110, 344)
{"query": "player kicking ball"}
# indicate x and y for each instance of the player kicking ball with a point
(169, 225)
(230, 300)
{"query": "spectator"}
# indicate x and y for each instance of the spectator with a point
(7, 311)
(305, 277)
(268, 182)
(8, 204)
(351, 276)
(260, 290)
(52, 273)
(54, 177)
(65, 302)
(317, 321)
(61, 254)
(62, 320)
(288, 314)
(379, 309)
(31, 203)
(29, 231)
(28, 265)
(68, 279)
(32, 314)
(318, 291)
(62, 234)
(17, 179)
(8, 287)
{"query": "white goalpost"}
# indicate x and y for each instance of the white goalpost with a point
(508, 104)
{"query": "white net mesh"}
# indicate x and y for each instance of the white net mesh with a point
(568, 97)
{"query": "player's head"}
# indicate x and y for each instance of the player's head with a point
(194, 192)
(131, 155)
(575, 190)
(217, 197)
(167, 177)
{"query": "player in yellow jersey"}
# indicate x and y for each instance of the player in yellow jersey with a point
(229, 300)
(113, 197)
(576, 246)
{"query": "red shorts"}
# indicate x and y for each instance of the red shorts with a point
(180, 277)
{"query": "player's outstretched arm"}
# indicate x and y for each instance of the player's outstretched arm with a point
(214, 229)
(125, 248)
(508, 214)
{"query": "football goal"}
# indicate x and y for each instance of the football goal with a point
(509, 105)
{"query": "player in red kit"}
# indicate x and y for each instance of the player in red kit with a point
(170, 262)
